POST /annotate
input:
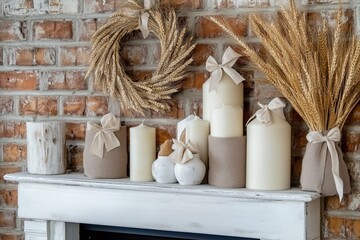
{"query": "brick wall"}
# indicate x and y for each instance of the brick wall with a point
(44, 51)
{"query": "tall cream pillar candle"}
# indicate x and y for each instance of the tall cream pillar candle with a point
(268, 153)
(227, 93)
(142, 152)
(227, 121)
(197, 131)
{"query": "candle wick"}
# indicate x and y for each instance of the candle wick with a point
(195, 114)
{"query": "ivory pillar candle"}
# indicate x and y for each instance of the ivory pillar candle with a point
(142, 152)
(268, 154)
(226, 93)
(197, 131)
(227, 121)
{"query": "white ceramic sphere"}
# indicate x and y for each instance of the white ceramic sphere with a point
(191, 172)
(163, 170)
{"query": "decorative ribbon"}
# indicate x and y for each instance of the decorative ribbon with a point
(263, 115)
(182, 152)
(144, 18)
(104, 135)
(331, 137)
(228, 60)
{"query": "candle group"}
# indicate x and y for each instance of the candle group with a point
(142, 152)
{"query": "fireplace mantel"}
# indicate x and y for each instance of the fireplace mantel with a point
(54, 205)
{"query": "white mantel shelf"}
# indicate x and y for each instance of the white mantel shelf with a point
(56, 204)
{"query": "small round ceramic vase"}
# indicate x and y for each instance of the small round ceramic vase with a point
(163, 170)
(191, 172)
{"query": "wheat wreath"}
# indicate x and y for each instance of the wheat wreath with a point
(106, 63)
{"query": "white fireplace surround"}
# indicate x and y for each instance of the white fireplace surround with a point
(54, 205)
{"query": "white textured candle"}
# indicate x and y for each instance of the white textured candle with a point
(197, 131)
(227, 93)
(268, 155)
(142, 152)
(227, 121)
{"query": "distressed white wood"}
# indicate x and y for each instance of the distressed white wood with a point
(50, 230)
(46, 147)
(171, 207)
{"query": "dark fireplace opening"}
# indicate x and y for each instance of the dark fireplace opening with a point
(98, 232)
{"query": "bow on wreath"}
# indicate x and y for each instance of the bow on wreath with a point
(143, 16)
(182, 152)
(330, 138)
(263, 115)
(228, 60)
(104, 135)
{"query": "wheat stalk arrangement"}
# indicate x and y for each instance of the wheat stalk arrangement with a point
(316, 67)
(108, 69)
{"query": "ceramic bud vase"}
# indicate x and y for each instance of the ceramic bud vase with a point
(163, 170)
(191, 172)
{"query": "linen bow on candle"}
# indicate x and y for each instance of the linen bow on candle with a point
(228, 60)
(330, 138)
(263, 115)
(182, 152)
(104, 135)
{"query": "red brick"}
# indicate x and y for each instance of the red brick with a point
(11, 30)
(99, 6)
(351, 141)
(74, 105)
(299, 141)
(296, 165)
(96, 106)
(45, 56)
(8, 198)
(75, 56)
(182, 4)
(86, 29)
(350, 202)
(6, 169)
(4, 236)
(188, 82)
(176, 110)
(205, 28)
(75, 131)
(164, 132)
(43, 105)
(68, 80)
(134, 54)
(335, 226)
(76, 158)
(7, 219)
(14, 152)
(14, 129)
(199, 80)
(202, 52)
(61, 30)
(23, 57)
(354, 117)
(6, 105)
(19, 80)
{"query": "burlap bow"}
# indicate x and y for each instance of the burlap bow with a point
(263, 115)
(182, 152)
(104, 135)
(143, 16)
(228, 60)
(330, 138)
